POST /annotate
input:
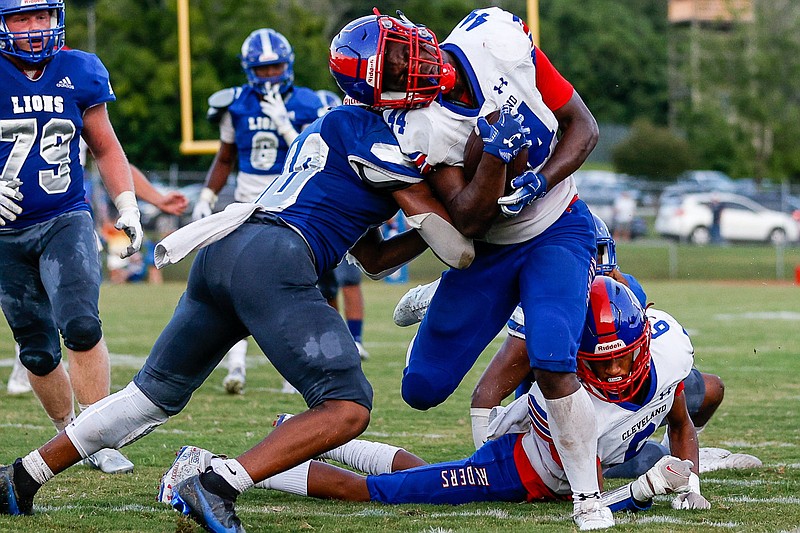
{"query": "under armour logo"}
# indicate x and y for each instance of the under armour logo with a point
(581, 497)
(665, 393)
(499, 88)
(510, 141)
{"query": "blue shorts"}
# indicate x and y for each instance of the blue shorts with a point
(488, 475)
(49, 280)
(549, 274)
(260, 280)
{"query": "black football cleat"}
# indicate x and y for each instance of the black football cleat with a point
(10, 501)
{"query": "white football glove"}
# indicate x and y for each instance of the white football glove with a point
(692, 499)
(205, 204)
(190, 461)
(512, 418)
(668, 475)
(129, 222)
(9, 196)
(272, 105)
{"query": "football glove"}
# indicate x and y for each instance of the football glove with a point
(9, 196)
(272, 105)
(668, 475)
(528, 187)
(205, 204)
(129, 222)
(506, 137)
(692, 499)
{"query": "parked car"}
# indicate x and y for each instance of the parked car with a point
(600, 188)
(689, 218)
(778, 201)
(695, 181)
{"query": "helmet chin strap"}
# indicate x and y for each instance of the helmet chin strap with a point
(448, 79)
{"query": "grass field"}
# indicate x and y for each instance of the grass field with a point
(747, 332)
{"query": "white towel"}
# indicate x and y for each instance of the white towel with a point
(203, 232)
(512, 418)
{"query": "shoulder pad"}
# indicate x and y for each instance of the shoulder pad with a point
(220, 101)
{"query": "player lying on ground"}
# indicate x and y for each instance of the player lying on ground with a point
(635, 384)
(510, 370)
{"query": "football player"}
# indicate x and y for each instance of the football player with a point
(631, 361)
(256, 275)
(257, 123)
(49, 266)
(536, 245)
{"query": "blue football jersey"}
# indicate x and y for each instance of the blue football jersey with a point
(261, 149)
(40, 127)
(337, 181)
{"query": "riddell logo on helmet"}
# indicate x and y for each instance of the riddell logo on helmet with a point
(606, 347)
(371, 70)
(30, 2)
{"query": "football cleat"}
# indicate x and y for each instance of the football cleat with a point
(712, 459)
(280, 419)
(414, 304)
(591, 515)
(234, 381)
(213, 512)
(362, 352)
(10, 501)
(190, 461)
(109, 461)
(18, 382)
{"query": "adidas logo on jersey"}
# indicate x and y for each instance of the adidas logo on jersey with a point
(65, 83)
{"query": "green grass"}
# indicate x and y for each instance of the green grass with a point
(747, 332)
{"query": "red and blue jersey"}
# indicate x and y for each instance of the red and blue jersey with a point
(40, 129)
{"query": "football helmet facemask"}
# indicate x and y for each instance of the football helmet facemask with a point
(616, 326)
(51, 40)
(606, 247)
(357, 62)
(263, 47)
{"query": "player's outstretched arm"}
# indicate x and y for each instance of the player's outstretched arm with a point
(378, 257)
(172, 203)
(216, 179)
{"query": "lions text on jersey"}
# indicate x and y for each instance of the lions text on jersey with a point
(41, 129)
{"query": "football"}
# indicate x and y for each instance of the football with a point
(473, 151)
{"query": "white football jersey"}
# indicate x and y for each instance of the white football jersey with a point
(622, 427)
(495, 50)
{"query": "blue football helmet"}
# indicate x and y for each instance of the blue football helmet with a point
(606, 247)
(616, 327)
(357, 62)
(51, 40)
(267, 47)
(329, 98)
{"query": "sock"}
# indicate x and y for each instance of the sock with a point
(237, 356)
(369, 457)
(30, 473)
(293, 481)
(61, 423)
(480, 425)
(213, 482)
(355, 327)
(574, 431)
(232, 472)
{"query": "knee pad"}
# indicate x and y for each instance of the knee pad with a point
(115, 421)
(81, 334)
(422, 393)
(39, 354)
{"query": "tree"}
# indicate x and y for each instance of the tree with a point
(652, 152)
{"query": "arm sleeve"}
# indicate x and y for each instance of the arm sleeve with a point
(556, 90)
(227, 133)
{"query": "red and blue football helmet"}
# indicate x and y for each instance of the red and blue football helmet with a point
(616, 326)
(52, 38)
(357, 62)
(267, 47)
(606, 247)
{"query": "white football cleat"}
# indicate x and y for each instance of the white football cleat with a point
(18, 382)
(414, 304)
(591, 515)
(362, 352)
(712, 459)
(234, 381)
(190, 461)
(110, 461)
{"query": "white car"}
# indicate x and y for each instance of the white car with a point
(689, 218)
